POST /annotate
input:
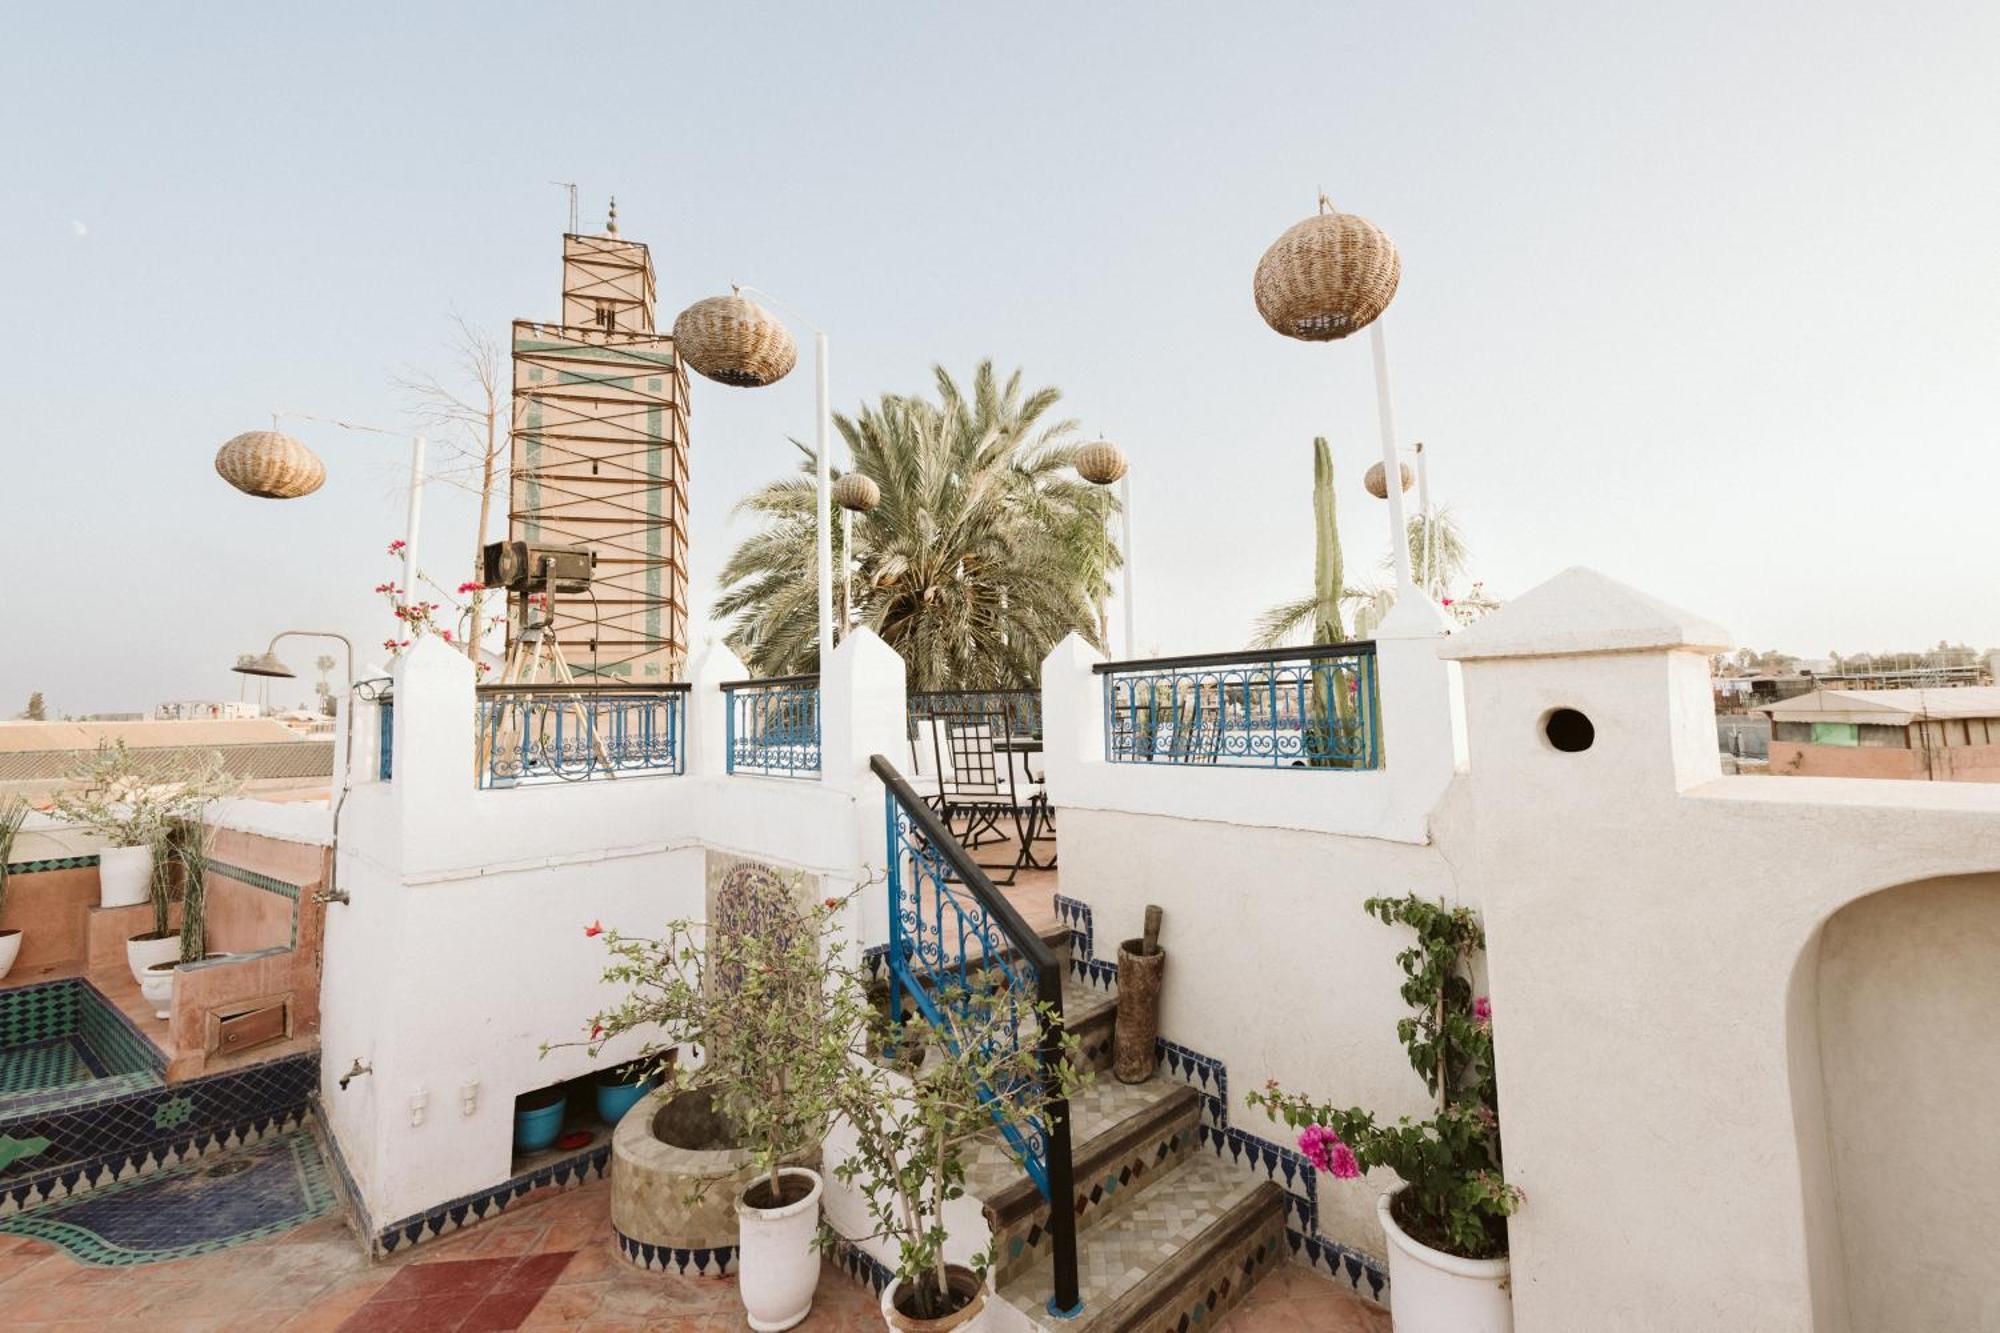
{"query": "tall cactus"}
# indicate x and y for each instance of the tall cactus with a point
(1327, 569)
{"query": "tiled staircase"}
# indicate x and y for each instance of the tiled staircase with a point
(1169, 1235)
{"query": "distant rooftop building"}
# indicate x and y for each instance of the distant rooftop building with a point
(190, 710)
(1945, 734)
(37, 758)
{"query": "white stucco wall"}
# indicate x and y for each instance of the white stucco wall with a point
(462, 948)
(1907, 992)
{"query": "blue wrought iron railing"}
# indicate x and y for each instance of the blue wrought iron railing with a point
(386, 749)
(773, 726)
(1021, 708)
(955, 940)
(1312, 708)
(576, 733)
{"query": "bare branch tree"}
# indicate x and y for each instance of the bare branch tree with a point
(470, 417)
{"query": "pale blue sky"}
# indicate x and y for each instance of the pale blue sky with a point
(1704, 296)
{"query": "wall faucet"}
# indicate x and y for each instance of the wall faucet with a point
(325, 896)
(354, 1073)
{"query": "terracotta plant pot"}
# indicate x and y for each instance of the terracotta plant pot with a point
(10, 949)
(970, 1317)
(1434, 1292)
(776, 1261)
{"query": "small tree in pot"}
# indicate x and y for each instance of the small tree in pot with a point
(762, 994)
(912, 1128)
(1447, 1223)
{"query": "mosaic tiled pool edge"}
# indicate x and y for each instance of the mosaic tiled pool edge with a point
(484, 1205)
(266, 1216)
(1209, 1077)
(102, 1143)
(71, 1007)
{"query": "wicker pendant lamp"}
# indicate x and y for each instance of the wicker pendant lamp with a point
(1329, 276)
(733, 340)
(271, 465)
(856, 494)
(1373, 481)
(1100, 463)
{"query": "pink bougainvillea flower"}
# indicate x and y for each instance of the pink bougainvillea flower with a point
(1346, 1166)
(1322, 1147)
(596, 1031)
(1482, 1009)
(832, 903)
(396, 547)
(593, 929)
(1445, 601)
(471, 587)
(445, 634)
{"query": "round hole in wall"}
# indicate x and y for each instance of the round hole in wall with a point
(1568, 730)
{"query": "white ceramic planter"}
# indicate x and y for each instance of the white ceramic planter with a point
(1434, 1292)
(124, 876)
(777, 1263)
(157, 985)
(141, 954)
(970, 1318)
(10, 949)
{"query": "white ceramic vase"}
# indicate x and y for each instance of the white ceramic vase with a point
(971, 1317)
(777, 1262)
(1434, 1292)
(124, 876)
(157, 985)
(10, 949)
(141, 953)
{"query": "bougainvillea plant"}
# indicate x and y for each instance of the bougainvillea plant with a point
(1457, 1200)
(415, 619)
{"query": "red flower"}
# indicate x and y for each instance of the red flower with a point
(390, 644)
(596, 1031)
(471, 587)
(445, 634)
(396, 547)
(832, 904)
(593, 929)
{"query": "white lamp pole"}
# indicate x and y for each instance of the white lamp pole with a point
(824, 501)
(1392, 468)
(1125, 506)
(411, 524)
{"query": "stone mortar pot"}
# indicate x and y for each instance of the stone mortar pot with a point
(667, 1147)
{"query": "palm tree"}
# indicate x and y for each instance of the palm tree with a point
(986, 548)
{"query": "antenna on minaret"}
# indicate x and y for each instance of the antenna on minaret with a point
(571, 187)
(611, 224)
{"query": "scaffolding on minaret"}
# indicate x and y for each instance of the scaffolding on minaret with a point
(600, 459)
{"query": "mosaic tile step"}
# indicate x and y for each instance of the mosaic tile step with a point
(1096, 1111)
(1200, 1237)
(196, 1208)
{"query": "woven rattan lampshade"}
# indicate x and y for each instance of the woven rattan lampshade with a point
(733, 340)
(1329, 276)
(857, 493)
(1373, 481)
(267, 464)
(1100, 463)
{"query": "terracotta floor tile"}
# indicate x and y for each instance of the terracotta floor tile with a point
(566, 1306)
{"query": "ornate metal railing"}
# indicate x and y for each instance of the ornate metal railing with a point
(1312, 708)
(1021, 708)
(576, 733)
(954, 940)
(773, 726)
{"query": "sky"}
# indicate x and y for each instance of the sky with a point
(1704, 296)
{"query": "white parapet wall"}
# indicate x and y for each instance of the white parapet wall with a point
(462, 948)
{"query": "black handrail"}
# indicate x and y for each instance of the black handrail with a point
(810, 677)
(997, 689)
(1359, 648)
(1048, 997)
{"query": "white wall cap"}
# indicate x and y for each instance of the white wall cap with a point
(1580, 611)
(1413, 616)
(1072, 653)
(716, 664)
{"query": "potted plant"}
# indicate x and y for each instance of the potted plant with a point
(763, 995)
(13, 814)
(136, 805)
(620, 1087)
(1446, 1223)
(911, 1134)
(191, 841)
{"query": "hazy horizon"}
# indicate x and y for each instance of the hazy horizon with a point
(1704, 298)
